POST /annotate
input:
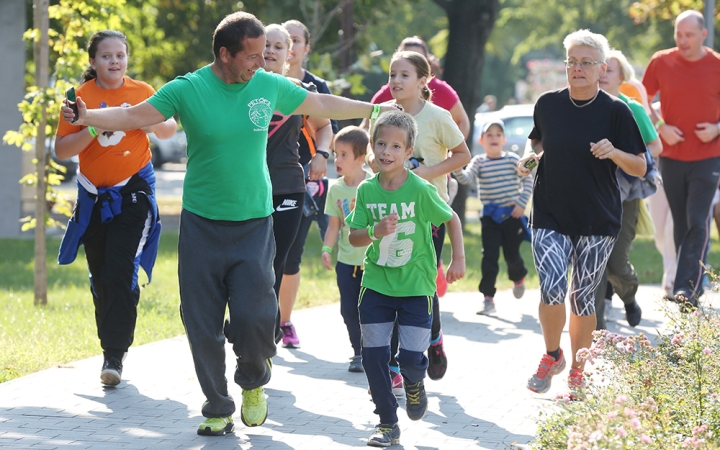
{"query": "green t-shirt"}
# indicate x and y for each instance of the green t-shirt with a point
(647, 130)
(402, 264)
(227, 129)
(340, 203)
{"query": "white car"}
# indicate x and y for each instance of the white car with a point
(518, 120)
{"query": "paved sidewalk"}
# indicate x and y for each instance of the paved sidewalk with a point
(315, 403)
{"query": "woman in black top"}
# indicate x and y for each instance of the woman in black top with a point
(286, 173)
(581, 136)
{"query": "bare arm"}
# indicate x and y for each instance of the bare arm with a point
(331, 235)
(655, 147)
(322, 133)
(163, 130)
(633, 165)
(334, 107)
(456, 269)
(72, 144)
(135, 117)
(461, 118)
(459, 157)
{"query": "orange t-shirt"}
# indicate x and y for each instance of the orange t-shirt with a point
(689, 95)
(631, 91)
(112, 156)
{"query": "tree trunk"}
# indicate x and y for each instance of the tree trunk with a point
(469, 26)
(347, 36)
(41, 52)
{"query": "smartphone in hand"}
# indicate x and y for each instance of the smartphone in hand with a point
(72, 102)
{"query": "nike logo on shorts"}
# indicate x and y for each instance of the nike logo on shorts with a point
(287, 205)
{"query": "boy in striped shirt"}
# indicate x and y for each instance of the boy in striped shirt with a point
(504, 194)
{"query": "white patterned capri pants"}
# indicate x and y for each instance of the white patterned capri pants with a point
(554, 253)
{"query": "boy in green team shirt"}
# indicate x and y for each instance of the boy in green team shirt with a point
(393, 214)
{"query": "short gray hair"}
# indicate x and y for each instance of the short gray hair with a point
(598, 42)
(397, 119)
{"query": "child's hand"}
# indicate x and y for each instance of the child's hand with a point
(387, 225)
(326, 260)
(456, 269)
(517, 212)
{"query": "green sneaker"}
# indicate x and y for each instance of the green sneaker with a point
(254, 409)
(216, 426)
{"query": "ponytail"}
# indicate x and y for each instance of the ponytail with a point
(88, 75)
(426, 93)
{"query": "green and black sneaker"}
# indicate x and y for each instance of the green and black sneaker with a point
(385, 435)
(216, 426)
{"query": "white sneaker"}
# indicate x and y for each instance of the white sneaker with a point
(610, 313)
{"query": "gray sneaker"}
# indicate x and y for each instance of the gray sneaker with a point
(540, 382)
(488, 307)
(518, 289)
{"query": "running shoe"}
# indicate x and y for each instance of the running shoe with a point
(488, 307)
(385, 435)
(111, 373)
(633, 313)
(397, 383)
(518, 289)
(289, 339)
(576, 384)
(356, 364)
(540, 382)
(437, 365)
(416, 403)
(254, 409)
(216, 426)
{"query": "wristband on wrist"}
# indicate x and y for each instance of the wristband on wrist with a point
(371, 233)
(375, 112)
(659, 123)
(327, 248)
(93, 132)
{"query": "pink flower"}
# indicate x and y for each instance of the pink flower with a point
(621, 399)
(635, 422)
(646, 439)
(621, 431)
(611, 415)
(707, 350)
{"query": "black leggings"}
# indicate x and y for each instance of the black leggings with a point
(438, 241)
(286, 221)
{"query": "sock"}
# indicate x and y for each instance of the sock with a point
(395, 369)
(555, 354)
(438, 339)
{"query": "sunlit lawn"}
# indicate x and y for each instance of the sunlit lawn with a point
(34, 338)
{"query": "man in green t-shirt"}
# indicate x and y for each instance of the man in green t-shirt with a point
(226, 247)
(393, 214)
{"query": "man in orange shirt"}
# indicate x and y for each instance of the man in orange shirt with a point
(688, 80)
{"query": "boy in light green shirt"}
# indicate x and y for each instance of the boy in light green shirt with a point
(393, 214)
(350, 149)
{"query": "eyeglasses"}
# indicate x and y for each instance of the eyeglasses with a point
(570, 63)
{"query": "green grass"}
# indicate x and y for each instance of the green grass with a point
(34, 338)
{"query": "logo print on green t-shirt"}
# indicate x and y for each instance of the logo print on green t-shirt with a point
(260, 113)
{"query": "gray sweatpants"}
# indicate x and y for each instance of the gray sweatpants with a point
(690, 188)
(226, 264)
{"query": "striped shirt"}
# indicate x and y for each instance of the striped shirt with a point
(497, 180)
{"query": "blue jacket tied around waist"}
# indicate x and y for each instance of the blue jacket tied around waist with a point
(111, 205)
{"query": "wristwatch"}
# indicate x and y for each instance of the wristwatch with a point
(325, 154)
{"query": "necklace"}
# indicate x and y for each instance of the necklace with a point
(582, 106)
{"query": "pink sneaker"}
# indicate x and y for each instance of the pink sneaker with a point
(289, 339)
(440, 281)
(397, 384)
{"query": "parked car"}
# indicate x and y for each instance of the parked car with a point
(173, 150)
(518, 120)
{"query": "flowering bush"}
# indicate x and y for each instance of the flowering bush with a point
(645, 396)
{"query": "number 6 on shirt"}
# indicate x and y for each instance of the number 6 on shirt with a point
(396, 252)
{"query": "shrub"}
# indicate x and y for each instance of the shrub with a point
(640, 395)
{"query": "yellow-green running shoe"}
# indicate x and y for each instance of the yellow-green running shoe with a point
(254, 410)
(216, 426)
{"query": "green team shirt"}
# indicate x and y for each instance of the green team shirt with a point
(227, 129)
(647, 129)
(340, 203)
(402, 264)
